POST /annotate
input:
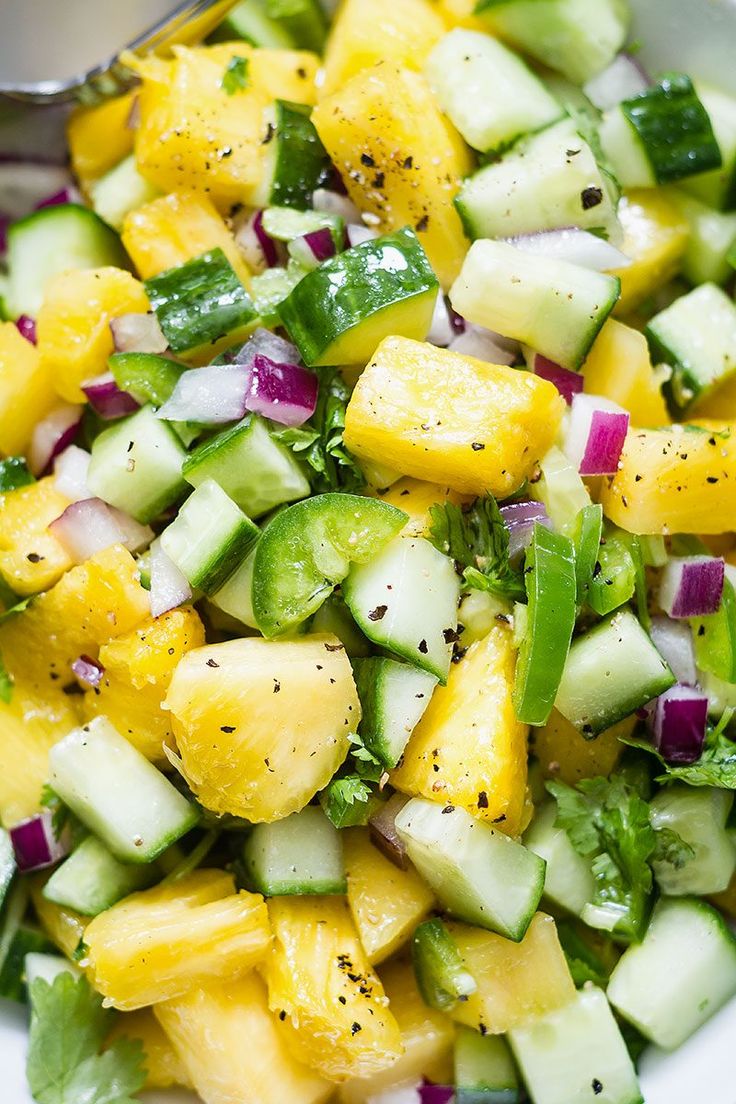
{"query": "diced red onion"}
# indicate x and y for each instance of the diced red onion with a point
(568, 383)
(106, 398)
(357, 233)
(26, 328)
(259, 249)
(211, 396)
(71, 468)
(23, 184)
(67, 194)
(436, 1094)
(476, 341)
(35, 844)
(138, 333)
(52, 435)
(679, 724)
(574, 246)
(691, 586)
(459, 325)
(270, 345)
(441, 330)
(313, 248)
(169, 588)
(674, 642)
(382, 825)
(520, 519)
(332, 203)
(620, 80)
(595, 434)
(88, 670)
(286, 393)
(90, 525)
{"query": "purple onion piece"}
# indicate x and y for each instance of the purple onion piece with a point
(520, 519)
(106, 398)
(459, 324)
(382, 825)
(35, 843)
(568, 383)
(52, 435)
(86, 528)
(286, 393)
(270, 345)
(436, 1094)
(88, 670)
(68, 194)
(605, 443)
(322, 243)
(680, 720)
(27, 328)
(674, 642)
(268, 245)
(692, 586)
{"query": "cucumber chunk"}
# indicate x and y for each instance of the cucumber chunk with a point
(611, 670)
(712, 236)
(576, 1055)
(487, 91)
(441, 975)
(568, 881)
(53, 240)
(478, 874)
(308, 548)
(25, 941)
(136, 465)
(340, 312)
(679, 976)
(285, 224)
(48, 967)
(297, 160)
(122, 189)
(696, 335)
(718, 187)
(699, 817)
(297, 855)
(256, 471)
(484, 1069)
(209, 537)
(92, 879)
(554, 306)
(405, 599)
(393, 697)
(117, 793)
(614, 581)
(236, 596)
(251, 21)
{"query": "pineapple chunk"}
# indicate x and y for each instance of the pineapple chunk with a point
(368, 31)
(459, 13)
(262, 725)
(469, 749)
(192, 134)
(386, 903)
(726, 900)
(451, 419)
(160, 943)
(675, 480)
(565, 754)
(400, 173)
(74, 337)
(234, 1050)
(655, 237)
(138, 670)
(164, 1067)
(721, 402)
(26, 390)
(99, 137)
(26, 735)
(619, 367)
(516, 981)
(173, 229)
(64, 928)
(338, 1021)
(415, 498)
(31, 558)
(426, 1035)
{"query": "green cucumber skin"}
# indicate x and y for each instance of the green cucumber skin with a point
(301, 159)
(350, 288)
(200, 302)
(674, 129)
(150, 377)
(438, 965)
(92, 880)
(305, 22)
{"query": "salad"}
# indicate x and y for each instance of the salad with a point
(368, 564)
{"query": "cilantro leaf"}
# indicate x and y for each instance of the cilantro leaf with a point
(345, 801)
(715, 767)
(236, 77)
(61, 815)
(477, 539)
(319, 442)
(68, 1028)
(590, 956)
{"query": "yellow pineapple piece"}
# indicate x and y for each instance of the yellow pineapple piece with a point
(28, 729)
(726, 900)
(31, 558)
(365, 32)
(619, 367)
(99, 137)
(565, 754)
(720, 403)
(655, 236)
(675, 480)
(426, 1035)
(160, 943)
(469, 749)
(262, 725)
(26, 390)
(234, 1049)
(193, 134)
(175, 228)
(398, 171)
(138, 670)
(164, 1067)
(459, 13)
(387, 903)
(64, 927)
(451, 419)
(415, 498)
(337, 1016)
(516, 981)
(74, 337)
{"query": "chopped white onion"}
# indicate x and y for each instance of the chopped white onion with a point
(441, 331)
(486, 345)
(332, 203)
(575, 246)
(595, 435)
(674, 642)
(210, 396)
(71, 468)
(138, 333)
(620, 80)
(169, 587)
(409, 1093)
(357, 233)
(52, 435)
(89, 526)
